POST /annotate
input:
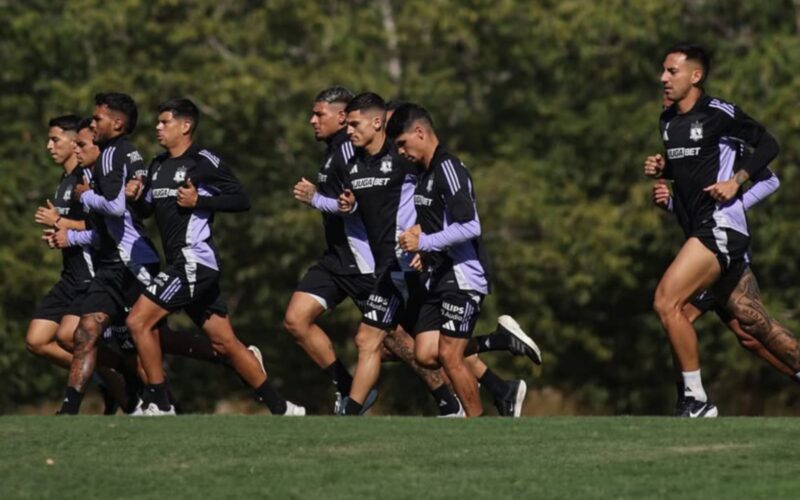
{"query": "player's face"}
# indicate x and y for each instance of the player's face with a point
(327, 119)
(362, 127)
(85, 149)
(170, 130)
(60, 144)
(105, 122)
(410, 144)
(679, 76)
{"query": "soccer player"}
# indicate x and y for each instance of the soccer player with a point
(346, 268)
(701, 135)
(186, 186)
(58, 306)
(125, 259)
(705, 301)
(447, 246)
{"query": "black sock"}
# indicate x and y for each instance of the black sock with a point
(72, 402)
(497, 386)
(340, 376)
(493, 342)
(158, 394)
(447, 401)
(680, 388)
(352, 407)
(267, 395)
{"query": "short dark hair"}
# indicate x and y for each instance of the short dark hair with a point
(405, 116)
(121, 103)
(67, 123)
(181, 107)
(365, 101)
(335, 94)
(393, 104)
(694, 52)
(84, 123)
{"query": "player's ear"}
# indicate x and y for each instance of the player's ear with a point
(341, 117)
(186, 127)
(118, 122)
(419, 131)
(697, 76)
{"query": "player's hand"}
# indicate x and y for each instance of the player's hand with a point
(416, 263)
(81, 188)
(346, 201)
(654, 166)
(47, 237)
(723, 191)
(661, 195)
(187, 195)
(59, 239)
(133, 189)
(304, 191)
(47, 216)
(409, 239)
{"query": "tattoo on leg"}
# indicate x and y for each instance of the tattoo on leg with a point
(745, 304)
(395, 344)
(85, 352)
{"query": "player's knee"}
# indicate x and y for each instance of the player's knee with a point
(450, 356)
(367, 339)
(664, 305)
(138, 325)
(428, 358)
(295, 323)
(34, 347)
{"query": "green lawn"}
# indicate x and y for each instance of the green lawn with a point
(397, 457)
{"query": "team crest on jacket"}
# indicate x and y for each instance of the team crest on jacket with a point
(328, 163)
(429, 187)
(180, 175)
(68, 193)
(696, 132)
(665, 136)
(386, 165)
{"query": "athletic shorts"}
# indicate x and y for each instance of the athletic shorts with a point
(193, 288)
(63, 299)
(114, 289)
(706, 301)
(120, 335)
(330, 289)
(386, 301)
(451, 312)
(729, 246)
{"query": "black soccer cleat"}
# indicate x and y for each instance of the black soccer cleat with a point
(511, 404)
(520, 343)
(688, 407)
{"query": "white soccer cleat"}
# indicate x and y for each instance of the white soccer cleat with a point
(153, 410)
(293, 410)
(257, 353)
(139, 410)
(529, 347)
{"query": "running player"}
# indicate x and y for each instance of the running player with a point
(346, 268)
(76, 269)
(449, 251)
(125, 259)
(701, 135)
(186, 186)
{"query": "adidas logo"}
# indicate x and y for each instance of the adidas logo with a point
(449, 326)
(372, 315)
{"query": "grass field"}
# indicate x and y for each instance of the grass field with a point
(396, 457)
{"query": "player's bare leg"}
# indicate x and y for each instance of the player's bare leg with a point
(368, 341)
(451, 356)
(40, 340)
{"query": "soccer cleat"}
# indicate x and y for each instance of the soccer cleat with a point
(511, 404)
(152, 410)
(293, 410)
(257, 353)
(688, 407)
(521, 343)
(138, 410)
(341, 403)
(458, 414)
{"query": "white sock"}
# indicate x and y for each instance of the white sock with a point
(693, 386)
(797, 376)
